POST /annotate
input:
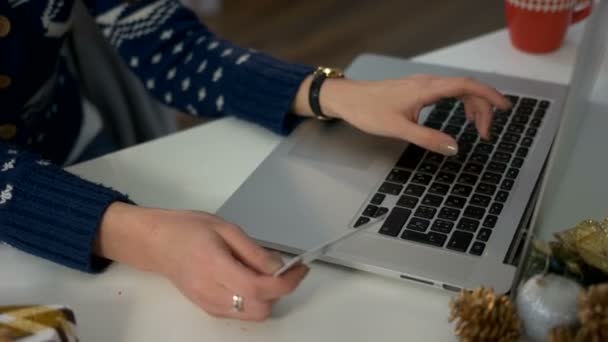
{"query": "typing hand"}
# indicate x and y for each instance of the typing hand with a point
(207, 259)
(391, 107)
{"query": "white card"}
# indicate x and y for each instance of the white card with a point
(314, 253)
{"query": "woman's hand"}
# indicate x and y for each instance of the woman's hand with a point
(391, 107)
(206, 258)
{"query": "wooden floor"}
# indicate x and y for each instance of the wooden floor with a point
(333, 32)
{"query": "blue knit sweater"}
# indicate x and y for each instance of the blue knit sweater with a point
(51, 213)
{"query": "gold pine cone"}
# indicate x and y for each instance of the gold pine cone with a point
(593, 314)
(482, 315)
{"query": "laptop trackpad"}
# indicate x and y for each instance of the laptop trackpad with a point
(338, 144)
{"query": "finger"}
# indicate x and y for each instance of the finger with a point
(459, 87)
(468, 109)
(249, 252)
(482, 112)
(218, 302)
(246, 282)
(428, 138)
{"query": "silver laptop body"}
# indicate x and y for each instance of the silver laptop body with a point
(320, 180)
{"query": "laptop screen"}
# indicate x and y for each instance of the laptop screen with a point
(575, 185)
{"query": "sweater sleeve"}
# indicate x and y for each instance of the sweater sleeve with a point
(187, 67)
(50, 213)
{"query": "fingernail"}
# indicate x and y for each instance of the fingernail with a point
(449, 149)
(275, 261)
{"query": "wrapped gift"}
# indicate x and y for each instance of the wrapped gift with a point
(37, 324)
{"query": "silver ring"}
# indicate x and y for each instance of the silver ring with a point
(237, 303)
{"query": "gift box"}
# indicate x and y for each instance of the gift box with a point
(34, 323)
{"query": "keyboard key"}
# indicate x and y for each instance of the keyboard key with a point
(526, 101)
(445, 104)
(456, 202)
(381, 211)
(512, 173)
(473, 168)
(516, 129)
(428, 168)
(445, 177)
(531, 132)
(468, 138)
(535, 123)
(470, 128)
(439, 189)
(517, 162)
(433, 239)
(527, 142)
(422, 179)
(432, 200)
(496, 208)
(370, 210)
(474, 212)
(467, 179)
(497, 167)
(502, 196)
(378, 199)
(459, 158)
(442, 226)
(452, 167)
(457, 120)
(544, 104)
(411, 157)
(496, 129)
(398, 176)
(477, 248)
(507, 147)
(481, 200)
(462, 190)
(486, 189)
(502, 157)
(522, 152)
(540, 113)
(490, 177)
(512, 98)
(449, 214)
(490, 221)
(452, 130)
(525, 110)
(468, 225)
(418, 224)
(438, 115)
(407, 202)
(433, 124)
(479, 158)
(511, 138)
(414, 190)
(465, 147)
(395, 221)
(434, 158)
(501, 120)
(520, 119)
(484, 148)
(460, 241)
(361, 221)
(425, 212)
(390, 188)
(484, 235)
(507, 184)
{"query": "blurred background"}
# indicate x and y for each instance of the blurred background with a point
(334, 32)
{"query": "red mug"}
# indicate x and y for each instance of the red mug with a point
(539, 26)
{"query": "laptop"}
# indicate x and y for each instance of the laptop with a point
(453, 223)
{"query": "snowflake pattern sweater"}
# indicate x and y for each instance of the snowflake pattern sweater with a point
(53, 214)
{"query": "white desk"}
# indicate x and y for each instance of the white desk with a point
(199, 169)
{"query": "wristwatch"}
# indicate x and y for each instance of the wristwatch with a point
(318, 77)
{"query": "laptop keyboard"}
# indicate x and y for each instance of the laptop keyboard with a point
(454, 202)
